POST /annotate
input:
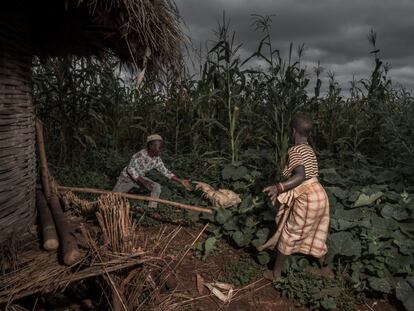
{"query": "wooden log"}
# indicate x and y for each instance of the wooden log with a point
(44, 171)
(69, 246)
(137, 197)
(50, 238)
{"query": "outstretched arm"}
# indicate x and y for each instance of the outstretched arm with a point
(295, 180)
(167, 173)
(184, 182)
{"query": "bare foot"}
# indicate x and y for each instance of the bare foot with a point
(271, 276)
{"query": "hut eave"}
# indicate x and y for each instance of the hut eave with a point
(126, 28)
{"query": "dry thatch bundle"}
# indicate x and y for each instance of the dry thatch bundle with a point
(118, 228)
(137, 31)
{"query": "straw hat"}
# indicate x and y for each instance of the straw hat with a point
(154, 137)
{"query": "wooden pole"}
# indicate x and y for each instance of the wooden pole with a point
(44, 171)
(70, 250)
(137, 197)
(50, 238)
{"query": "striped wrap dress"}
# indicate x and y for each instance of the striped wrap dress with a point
(303, 218)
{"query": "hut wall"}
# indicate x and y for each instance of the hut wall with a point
(17, 150)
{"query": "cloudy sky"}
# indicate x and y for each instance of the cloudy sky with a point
(333, 31)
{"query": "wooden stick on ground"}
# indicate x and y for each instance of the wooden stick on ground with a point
(137, 197)
(68, 243)
(70, 251)
(50, 238)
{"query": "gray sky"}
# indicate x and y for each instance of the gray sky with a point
(333, 31)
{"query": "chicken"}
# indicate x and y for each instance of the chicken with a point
(222, 198)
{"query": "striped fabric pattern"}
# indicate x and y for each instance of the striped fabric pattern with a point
(302, 154)
(302, 221)
(306, 229)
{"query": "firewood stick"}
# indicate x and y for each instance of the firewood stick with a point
(137, 197)
(68, 243)
(50, 238)
(44, 172)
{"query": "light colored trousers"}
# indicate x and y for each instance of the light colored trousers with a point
(125, 184)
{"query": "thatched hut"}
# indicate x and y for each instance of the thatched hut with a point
(142, 32)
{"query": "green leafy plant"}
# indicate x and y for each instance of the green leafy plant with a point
(320, 292)
(242, 271)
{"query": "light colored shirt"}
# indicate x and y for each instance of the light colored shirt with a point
(141, 163)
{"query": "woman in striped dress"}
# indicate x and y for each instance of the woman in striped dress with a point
(303, 218)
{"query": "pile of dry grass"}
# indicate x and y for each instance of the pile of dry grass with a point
(113, 252)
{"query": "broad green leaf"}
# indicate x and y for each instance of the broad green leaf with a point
(365, 199)
(354, 196)
(212, 228)
(395, 211)
(238, 238)
(250, 222)
(405, 244)
(392, 196)
(401, 264)
(246, 204)
(343, 224)
(331, 176)
(385, 176)
(405, 292)
(382, 227)
(263, 258)
(342, 243)
(349, 214)
(231, 224)
(380, 285)
(371, 189)
(328, 303)
(262, 235)
(222, 215)
(210, 246)
(338, 192)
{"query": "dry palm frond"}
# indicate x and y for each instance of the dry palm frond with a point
(223, 197)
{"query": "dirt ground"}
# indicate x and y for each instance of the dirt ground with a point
(258, 295)
(182, 293)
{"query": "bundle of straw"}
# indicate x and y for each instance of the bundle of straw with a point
(118, 228)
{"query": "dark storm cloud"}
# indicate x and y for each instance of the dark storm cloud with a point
(333, 31)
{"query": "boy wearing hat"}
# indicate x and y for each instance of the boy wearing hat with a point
(133, 175)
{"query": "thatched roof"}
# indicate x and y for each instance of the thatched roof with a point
(126, 28)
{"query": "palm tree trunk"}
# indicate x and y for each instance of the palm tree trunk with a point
(17, 152)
